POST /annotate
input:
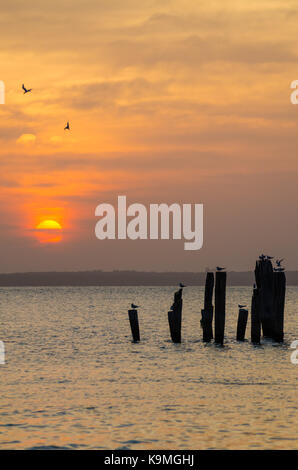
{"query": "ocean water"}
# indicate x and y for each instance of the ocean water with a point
(74, 380)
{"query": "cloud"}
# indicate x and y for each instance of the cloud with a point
(26, 139)
(56, 140)
(114, 93)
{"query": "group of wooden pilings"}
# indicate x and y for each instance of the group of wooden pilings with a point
(268, 302)
(267, 308)
(219, 310)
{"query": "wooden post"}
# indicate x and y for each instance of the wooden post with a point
(255, 318)
(264, 281)
(175, 317)
(242, 322)
(134, 324)
(207, 312)
(279, 305)
(220, 306)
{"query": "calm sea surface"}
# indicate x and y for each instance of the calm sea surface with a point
(73, 378)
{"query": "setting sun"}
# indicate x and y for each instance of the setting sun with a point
(49, 225)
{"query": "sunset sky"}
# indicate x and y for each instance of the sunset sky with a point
(168, 101)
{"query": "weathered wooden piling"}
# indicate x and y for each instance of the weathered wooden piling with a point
(207, 312)
(175, 317)
(220, 306)
(255, 318)
(279, 305)
(134, 324)
(264, 281)
(241, 325)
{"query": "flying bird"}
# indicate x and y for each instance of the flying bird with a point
(278, 262)
(218, 268)
(67, 127)
(241, 306)
(134, 306)
(25, 89)
(181, 285)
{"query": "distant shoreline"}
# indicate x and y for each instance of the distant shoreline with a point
(125, 278)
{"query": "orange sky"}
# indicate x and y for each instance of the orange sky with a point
(168, 101)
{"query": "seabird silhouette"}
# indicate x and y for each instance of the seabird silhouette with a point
(134, 306)
(278, 262)
(218, 268)
(25, 89)
(67, 127)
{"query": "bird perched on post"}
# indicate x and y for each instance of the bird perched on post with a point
(218, 268)
(26, 90)
(134, 306)
(67, 128)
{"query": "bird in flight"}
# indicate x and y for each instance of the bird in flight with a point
(241, 306)
(67, 128)
(181, 285)
(134, 306)
(278, 262)
(25, 89)
(218, 268)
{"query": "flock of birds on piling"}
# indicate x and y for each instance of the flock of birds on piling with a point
(278, 267)
(262, 257)
(28, 90)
